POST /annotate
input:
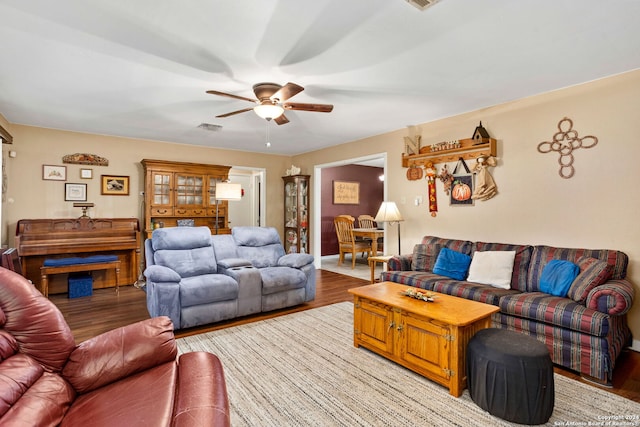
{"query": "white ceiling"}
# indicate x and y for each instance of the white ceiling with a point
(140, 68)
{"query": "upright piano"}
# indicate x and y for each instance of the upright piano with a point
(40, 239)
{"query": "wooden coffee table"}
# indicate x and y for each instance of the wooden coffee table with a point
(429, 338)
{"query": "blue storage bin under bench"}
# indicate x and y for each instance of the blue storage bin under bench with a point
(80, 285)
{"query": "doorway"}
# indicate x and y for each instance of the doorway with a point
(249, 210)
(377, 160)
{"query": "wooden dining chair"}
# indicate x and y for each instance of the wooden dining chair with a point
(346, 242)
(367, 221)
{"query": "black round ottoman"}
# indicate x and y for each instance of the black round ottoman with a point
(510, 375)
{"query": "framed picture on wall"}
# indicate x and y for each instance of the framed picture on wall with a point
(54, 173)
(115, 185)
(86, 173)
(346, 193)
(75, 192)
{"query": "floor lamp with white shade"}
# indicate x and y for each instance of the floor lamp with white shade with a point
(389, 212)
(226, 191)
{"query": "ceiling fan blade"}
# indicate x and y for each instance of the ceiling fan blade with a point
(244, 110)
(318, 108)
(287, 91)
(230, 95)
(281, 120)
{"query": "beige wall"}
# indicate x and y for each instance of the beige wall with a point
(28, 196)
(597, 208)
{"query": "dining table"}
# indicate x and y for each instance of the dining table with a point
(370, 233)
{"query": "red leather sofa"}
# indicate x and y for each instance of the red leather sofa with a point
(130, 376)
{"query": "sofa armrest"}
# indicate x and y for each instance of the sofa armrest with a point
(202, 392)
(614, 297)
(399, 263)
(120, 353)
(295, 260)
(160, 274)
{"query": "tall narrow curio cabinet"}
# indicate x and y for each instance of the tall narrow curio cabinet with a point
(296, 214)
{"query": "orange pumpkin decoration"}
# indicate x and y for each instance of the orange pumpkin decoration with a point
(414, 173)
(461, 191)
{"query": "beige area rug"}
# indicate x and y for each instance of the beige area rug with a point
(303, 370)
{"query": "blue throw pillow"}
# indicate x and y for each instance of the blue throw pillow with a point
(452, 264)
(557, 277)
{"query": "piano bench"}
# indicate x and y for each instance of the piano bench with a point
(77, 264)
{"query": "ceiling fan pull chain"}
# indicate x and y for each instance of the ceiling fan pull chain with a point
(267, 143)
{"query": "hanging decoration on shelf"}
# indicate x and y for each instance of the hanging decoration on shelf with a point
(485, 186)
(414, 173)
(446, 178)
(564, 142)
(431, 186)
(462, 186)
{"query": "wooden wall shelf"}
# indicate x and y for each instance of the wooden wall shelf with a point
(469, 149)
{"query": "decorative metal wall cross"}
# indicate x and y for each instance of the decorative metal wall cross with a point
(564, 142)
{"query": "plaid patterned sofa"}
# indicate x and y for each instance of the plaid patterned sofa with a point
(584, 331)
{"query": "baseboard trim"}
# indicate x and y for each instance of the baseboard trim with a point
(635, 345)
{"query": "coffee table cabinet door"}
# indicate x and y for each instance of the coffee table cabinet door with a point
(425, 344)
(374, 326)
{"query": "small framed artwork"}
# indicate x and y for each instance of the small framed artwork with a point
(54, 173)
(461, 191)
(346, 193)
(86, 173)
(75, 192)
(115, 185)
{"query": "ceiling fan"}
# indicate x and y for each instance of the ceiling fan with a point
(271, 103)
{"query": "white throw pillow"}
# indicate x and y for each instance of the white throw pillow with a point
(492, 268)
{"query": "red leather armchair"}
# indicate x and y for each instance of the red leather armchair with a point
(130, 376)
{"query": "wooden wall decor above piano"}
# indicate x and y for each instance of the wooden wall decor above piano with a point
(85, 159)
(179, 190)
(38, 239)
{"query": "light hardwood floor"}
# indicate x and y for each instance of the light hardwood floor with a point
(104, 310)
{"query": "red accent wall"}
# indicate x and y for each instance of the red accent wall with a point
(371, 195)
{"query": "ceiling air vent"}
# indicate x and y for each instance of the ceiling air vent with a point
(422, 4)
(210, 127)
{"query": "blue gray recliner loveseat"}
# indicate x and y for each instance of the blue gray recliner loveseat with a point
(197, 278)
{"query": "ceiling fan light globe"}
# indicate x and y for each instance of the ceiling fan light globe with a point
(268, 111)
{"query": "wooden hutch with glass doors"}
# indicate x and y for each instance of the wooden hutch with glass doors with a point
(184, 194)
